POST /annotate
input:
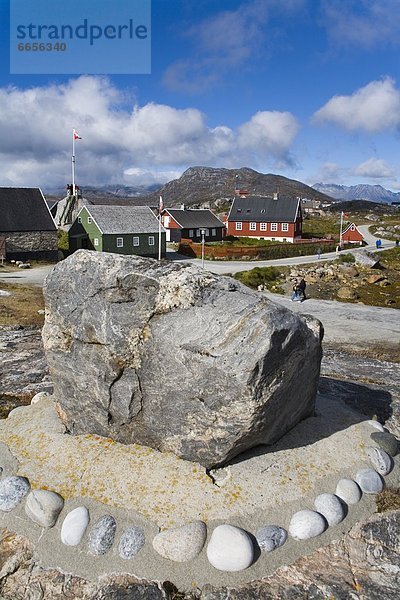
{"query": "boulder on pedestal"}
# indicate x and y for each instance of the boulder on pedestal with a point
(176, 358)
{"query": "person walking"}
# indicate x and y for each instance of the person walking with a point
(318, 253)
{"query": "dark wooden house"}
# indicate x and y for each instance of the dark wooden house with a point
(27, 229)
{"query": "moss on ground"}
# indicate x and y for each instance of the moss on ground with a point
(389, 499)
(22, 306)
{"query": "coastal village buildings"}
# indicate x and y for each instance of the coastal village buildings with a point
(120, 229)
(27, 229)
(273, 218)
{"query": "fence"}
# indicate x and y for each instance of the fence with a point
(268, 252)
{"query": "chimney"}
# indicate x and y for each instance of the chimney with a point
(276, 194)
(182, 207)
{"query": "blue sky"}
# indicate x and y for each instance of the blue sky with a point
(309, 89)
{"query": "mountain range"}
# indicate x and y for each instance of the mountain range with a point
(373, 193)
(208, 186)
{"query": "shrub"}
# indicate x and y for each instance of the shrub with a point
(347, 258)
(259, 276)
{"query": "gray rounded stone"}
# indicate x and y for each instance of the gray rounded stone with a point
(74, 526)
(386, 441)
(381, 461)
(230, 549)
(131, 542)
(182, 543)
(39, 397)
(349, 491)
(369, 481)
(12, 490)
(306, 524)
(43, 507)
(102, 535)
(271, 537)
(330, 507)
(376, 425)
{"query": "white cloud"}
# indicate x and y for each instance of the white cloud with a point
(328, 172)
(120, 144)
(361, 23)
(374, 168)
(372, 108)
(268, 131)
(230, 39)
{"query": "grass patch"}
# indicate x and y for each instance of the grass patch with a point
(346, 258)
(389, 499)
(21, 307)
(321, 227)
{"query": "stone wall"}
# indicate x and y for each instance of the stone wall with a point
(28, 245)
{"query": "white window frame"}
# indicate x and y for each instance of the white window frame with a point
(285, 226)
(120, 242)
(95, 241)
(191, 233)
(89, 220)
(274, 226)
(213, 232)
(151, 240)
(263, 227)
(197, 232)
(239, 226)
(79, 219)
(253, 226)
(135, 241)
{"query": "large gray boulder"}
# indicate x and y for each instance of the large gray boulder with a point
(170, 356)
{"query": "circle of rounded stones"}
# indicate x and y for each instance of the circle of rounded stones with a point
(230, 548)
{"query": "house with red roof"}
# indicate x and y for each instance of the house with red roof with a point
(352, 235)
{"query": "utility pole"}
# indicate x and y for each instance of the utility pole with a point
(202, 231)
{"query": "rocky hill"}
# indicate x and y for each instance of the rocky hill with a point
(201, 185)
(373, 193)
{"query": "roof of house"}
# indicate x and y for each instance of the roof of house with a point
(262, 209)
(352, 227)
(24, 209)
(194, 218)
(124, 219)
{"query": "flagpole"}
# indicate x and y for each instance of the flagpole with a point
(159, 228)
(73, 162)
(341, 228)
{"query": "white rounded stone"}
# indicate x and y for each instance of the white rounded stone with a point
(306, 524)
(39, 397)
(376, 425)
(182, 543)
(349, 491)
(74, 526)
(330, 507)
(369, 481)
(380, 460)
(230, 549)
(43, 507)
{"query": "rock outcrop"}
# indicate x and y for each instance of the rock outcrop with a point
(175, 358)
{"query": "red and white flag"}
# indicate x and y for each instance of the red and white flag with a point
(345, 214)
(76, 135)
(161, 206)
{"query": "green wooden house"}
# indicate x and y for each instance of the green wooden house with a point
(120, 229)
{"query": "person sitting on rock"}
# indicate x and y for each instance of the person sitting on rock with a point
(301, 285)
(296, 293)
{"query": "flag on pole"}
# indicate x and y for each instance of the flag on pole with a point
(161, 206)
(76, 135)
(345, 214)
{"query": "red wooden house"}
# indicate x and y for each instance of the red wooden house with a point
(189, 223)
(273, 218)
(351, 235)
